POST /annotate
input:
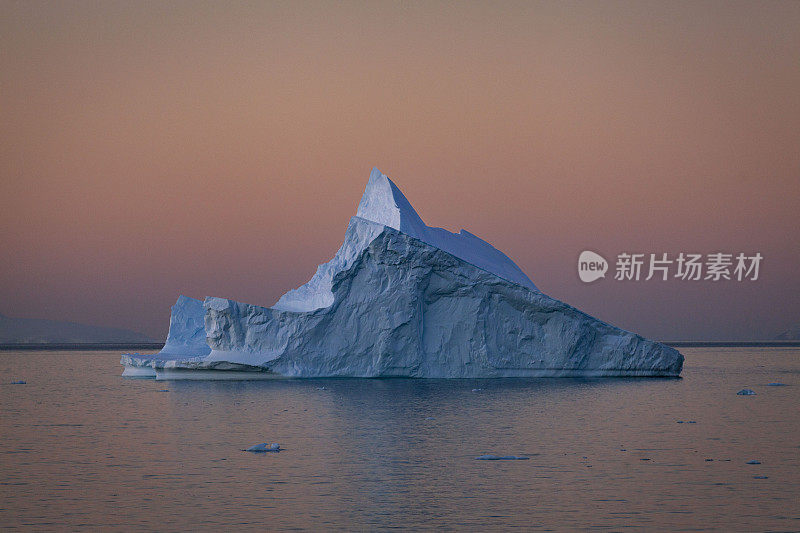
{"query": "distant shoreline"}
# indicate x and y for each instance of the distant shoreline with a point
(97, 346)
(732, 344)
(94, 346)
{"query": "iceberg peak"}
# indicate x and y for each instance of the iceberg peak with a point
(383, 203)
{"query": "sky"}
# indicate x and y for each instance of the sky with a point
(151, 149)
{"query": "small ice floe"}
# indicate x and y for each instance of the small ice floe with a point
(18, 382)
(321, 388)
(692, 422)
(776, 384)
(163, 390)
(476, 390)
(502, 458)
(429, 418)
(264, 447)
(754, 462)
(644, 459)
(760, 477)
(746, 392)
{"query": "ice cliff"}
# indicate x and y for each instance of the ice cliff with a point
(401, 298)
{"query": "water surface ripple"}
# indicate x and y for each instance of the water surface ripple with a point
(81, 447)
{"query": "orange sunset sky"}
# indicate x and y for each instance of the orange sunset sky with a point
(151, 149)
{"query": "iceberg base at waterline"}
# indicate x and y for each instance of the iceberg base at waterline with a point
(401, 299)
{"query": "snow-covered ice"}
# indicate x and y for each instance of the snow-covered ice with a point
(746, 392)
(501, 458)
(401, 298)
(264, 447)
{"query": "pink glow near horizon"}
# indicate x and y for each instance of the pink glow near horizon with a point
(149, 150)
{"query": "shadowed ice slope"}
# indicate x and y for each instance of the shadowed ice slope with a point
(384, 204)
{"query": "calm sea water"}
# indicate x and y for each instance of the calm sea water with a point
(83, 448)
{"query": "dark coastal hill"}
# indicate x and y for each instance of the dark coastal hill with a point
(35, 331)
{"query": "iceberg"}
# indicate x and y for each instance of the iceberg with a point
(264, 447)
(401, 299)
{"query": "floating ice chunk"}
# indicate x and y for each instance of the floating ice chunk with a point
(760, 477)
(754, 462)
(746, 392)
(776, 384)
(18, 382)
(264, 447)
(502, 458)
(476, 390)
